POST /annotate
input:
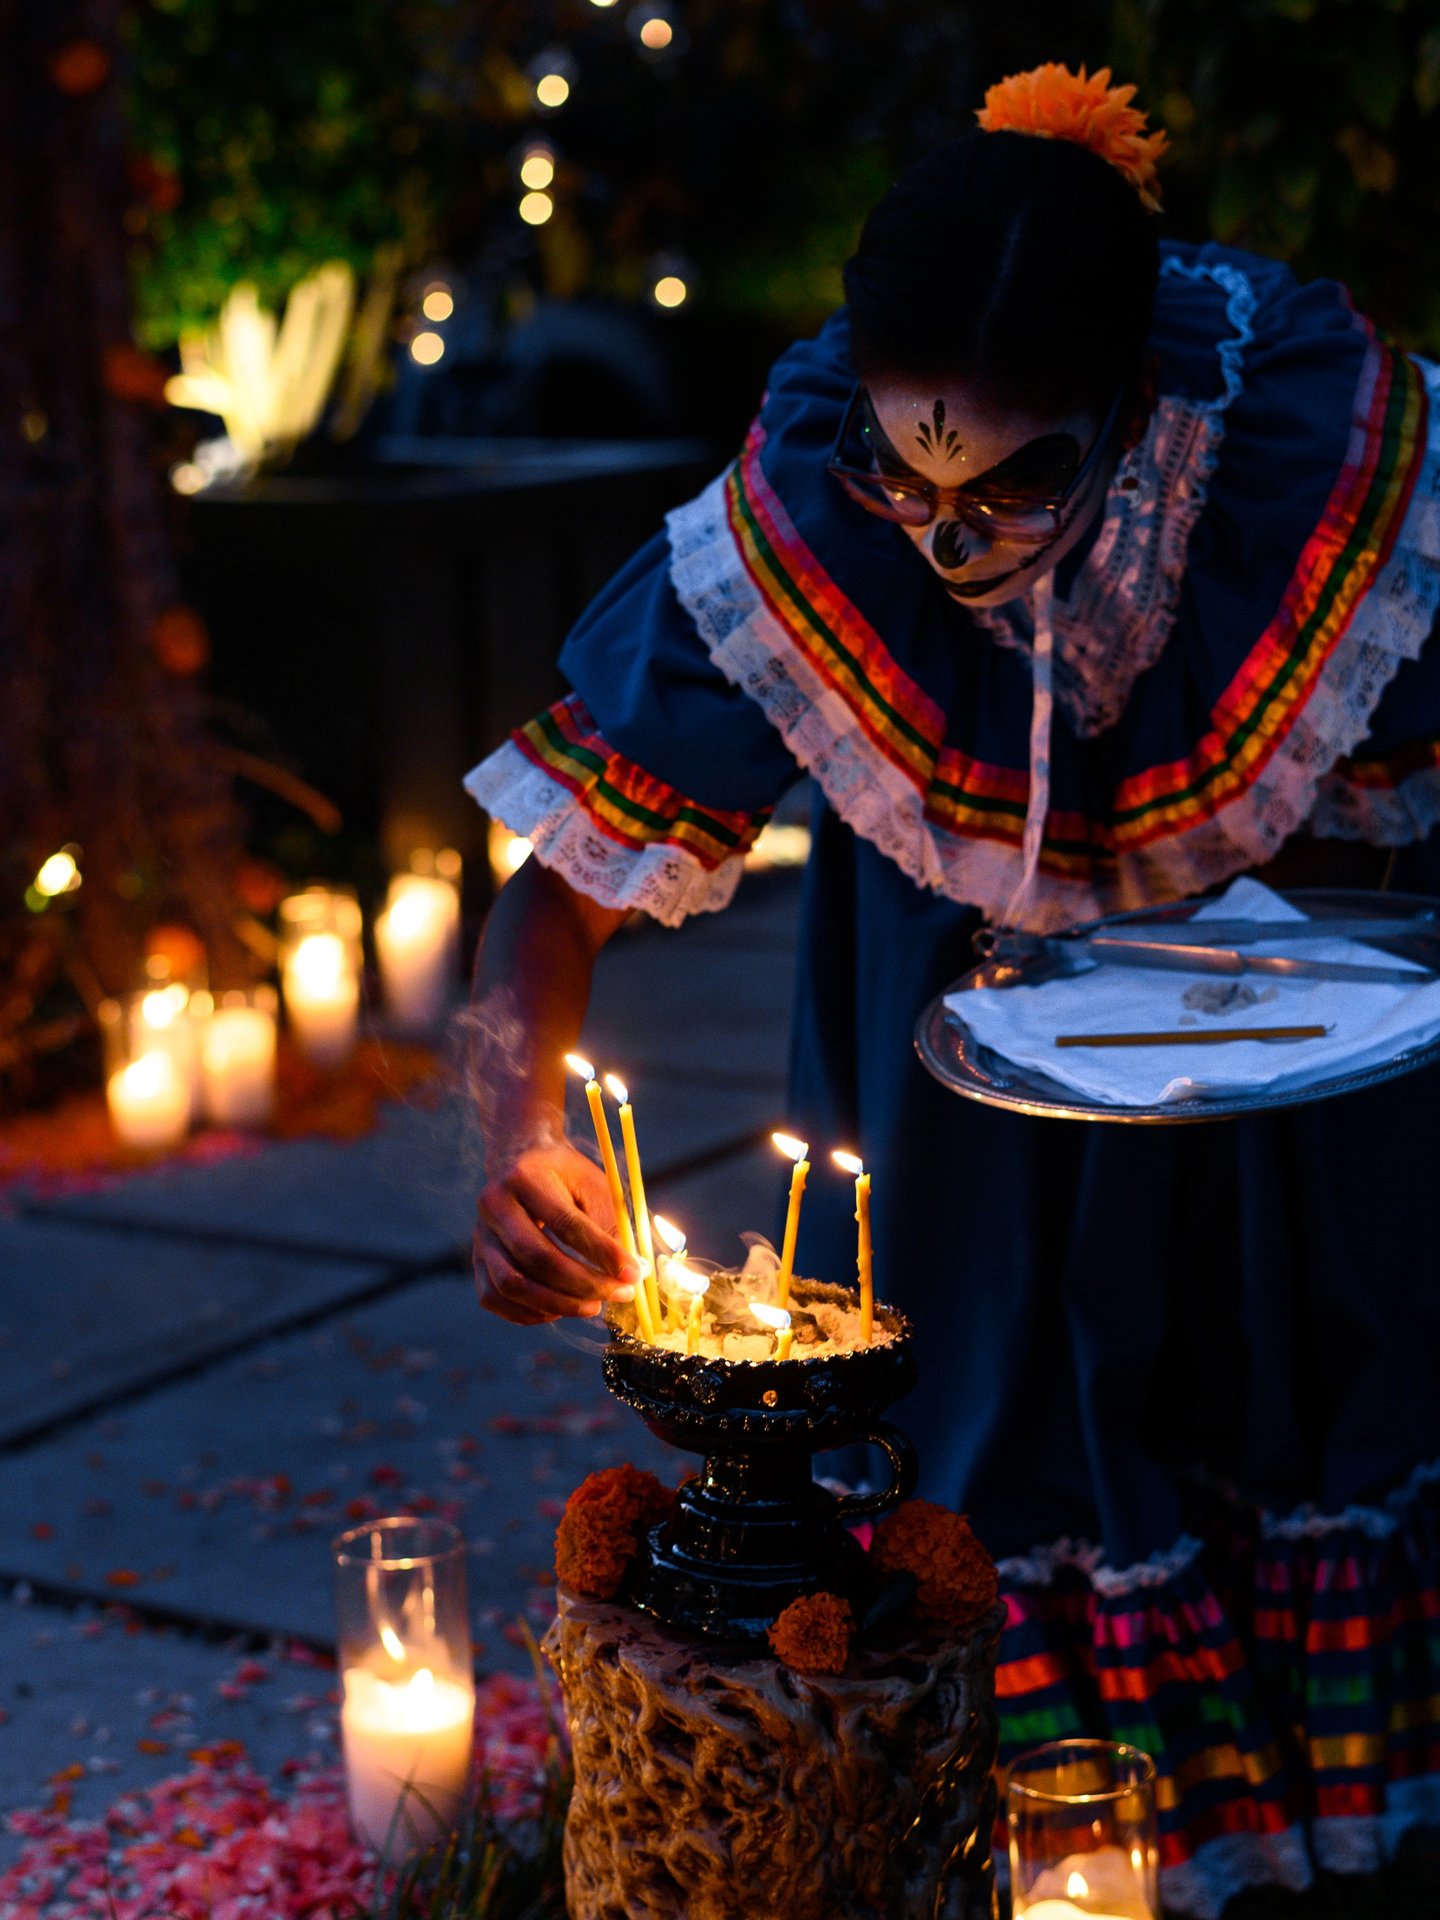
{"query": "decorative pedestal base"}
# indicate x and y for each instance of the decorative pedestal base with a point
(719, 1785)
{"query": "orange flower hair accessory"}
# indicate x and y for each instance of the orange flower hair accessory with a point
(813, 1634)
(955, 1578)
(1056, 104)
(605, 1519)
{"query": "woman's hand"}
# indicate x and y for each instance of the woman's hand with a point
(545, 1245)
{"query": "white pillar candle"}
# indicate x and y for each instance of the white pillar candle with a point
(407, 1750)
(322, 997)
(417, 940)
(149, 1101)
(237, 1061)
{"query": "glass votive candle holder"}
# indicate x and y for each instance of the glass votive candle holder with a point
(1081, 1818)
(320, 971)
(407, 1718)
(417, 941)
(237, 1057)
(149, 1054)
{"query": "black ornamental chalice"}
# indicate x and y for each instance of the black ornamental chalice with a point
(754, 1530)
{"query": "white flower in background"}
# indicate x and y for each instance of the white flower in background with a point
(268, 382)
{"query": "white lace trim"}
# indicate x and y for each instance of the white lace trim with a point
(756, 653)
(1376, 1523)
(665, 881)
(1038, 1566)
(1113, 624)
(1221, 1868)
(1362, 1843)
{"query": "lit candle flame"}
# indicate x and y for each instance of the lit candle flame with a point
(792, 1148)
(694, 1283)
(392, 1642)
(673, 1236)
(617, 1089)
(775, 1318)
(577, 1063)
(422, 1682)
(848, 1162)
(1077, 1887)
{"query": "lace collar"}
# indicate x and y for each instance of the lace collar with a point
(1113, 622)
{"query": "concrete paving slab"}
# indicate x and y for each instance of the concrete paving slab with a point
(406, 1192)
(88, 1314)
(402, 1193)
(217, 1498)
(710, 998)
(114, 1707)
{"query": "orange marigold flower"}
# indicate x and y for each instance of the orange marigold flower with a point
(1056, 104)
(955, 1578)
(813, 1634)
(605, 1519)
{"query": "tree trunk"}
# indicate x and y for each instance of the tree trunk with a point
(101, 744)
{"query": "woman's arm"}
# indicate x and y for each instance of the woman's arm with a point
(532, 985)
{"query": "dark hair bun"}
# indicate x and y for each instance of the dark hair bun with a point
(1026, 265)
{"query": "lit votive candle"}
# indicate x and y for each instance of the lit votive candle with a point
(417, 942)
(778, 1321)
(322, 997)
(407, 1747)
(149, 1101)
(237, 1059)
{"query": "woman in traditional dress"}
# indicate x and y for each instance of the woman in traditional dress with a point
(1080, 572)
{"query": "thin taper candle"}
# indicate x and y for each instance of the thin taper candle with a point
(798, 1151)
(643, 1236)
(606, 1145)
(864, 1256)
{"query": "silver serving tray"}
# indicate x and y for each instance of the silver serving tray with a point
(959, 1062)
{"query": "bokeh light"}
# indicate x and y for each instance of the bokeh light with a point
(670, 291)
(426, 348)
(656, 34)
(552, 90)
(536, 209)
(537, 169)
(438, 304)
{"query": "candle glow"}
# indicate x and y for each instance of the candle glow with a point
(674, 1238)
(865, 1257)
(577, 1063)
(697, 1286)
(798, 1151)
(778, 1321)
(407, 1747)
(149, 1101)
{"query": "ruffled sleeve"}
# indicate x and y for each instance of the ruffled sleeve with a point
(646, 786)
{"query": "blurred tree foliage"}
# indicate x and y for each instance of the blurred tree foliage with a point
(271, 136)
(1304, 129)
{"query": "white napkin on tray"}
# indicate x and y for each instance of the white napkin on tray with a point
(1368, 1024)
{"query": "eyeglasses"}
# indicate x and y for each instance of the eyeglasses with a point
(1025, 519)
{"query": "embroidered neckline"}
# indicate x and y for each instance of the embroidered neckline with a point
(1113, 623)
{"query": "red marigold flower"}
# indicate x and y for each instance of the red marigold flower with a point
(605, 1519)
(813, 1634)
(955, 1578)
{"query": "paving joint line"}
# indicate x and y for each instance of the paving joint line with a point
(56, 1215)
(394, 1280)
(247, 1637)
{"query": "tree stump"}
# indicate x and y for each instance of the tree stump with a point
(716, 1784)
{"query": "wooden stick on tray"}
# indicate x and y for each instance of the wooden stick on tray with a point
(1189, 1037)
